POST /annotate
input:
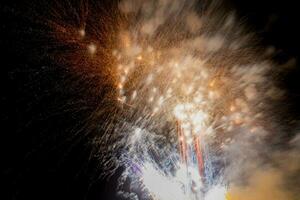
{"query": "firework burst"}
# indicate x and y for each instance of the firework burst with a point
(181, 93)
(193, 79)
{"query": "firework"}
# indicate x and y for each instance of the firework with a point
(180, 82)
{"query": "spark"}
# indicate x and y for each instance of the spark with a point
(92, 48)
(82, 32)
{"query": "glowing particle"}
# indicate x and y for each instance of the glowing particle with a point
(139, 57)
(92, 48)
(212, 83)
(126, 70)
(232, 108)
(181, 138)
(82, 32)
(151, 99)
(120, 86)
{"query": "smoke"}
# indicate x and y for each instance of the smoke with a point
(259, 171)
(263, 184)
(270, 182)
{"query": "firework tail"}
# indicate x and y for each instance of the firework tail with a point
(198, 151)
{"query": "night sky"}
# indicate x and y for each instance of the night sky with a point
(46, 153)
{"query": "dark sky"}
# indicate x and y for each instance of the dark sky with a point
(39, 160)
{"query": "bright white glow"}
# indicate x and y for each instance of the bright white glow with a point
(216, 193)
(191, 116)
(160, 186)
(169, 187)
(181, 111)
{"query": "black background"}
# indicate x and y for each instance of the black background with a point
(38, 158)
